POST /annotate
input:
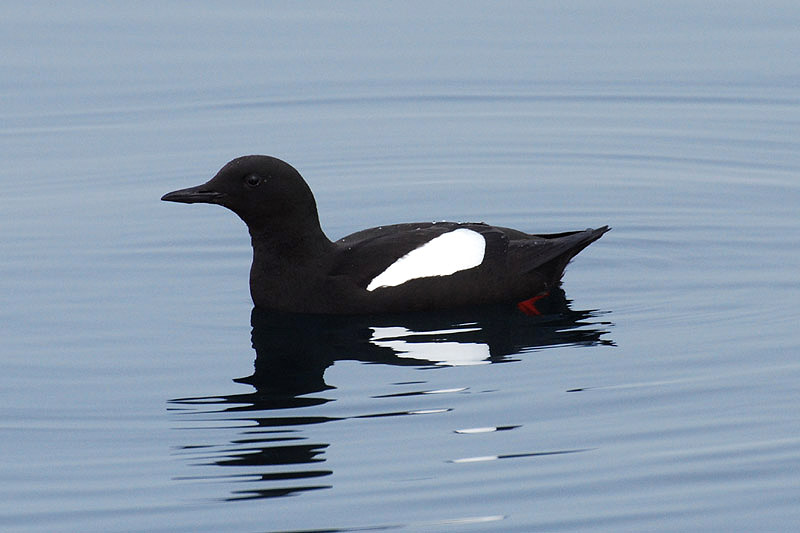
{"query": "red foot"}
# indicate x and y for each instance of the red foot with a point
(529, 306)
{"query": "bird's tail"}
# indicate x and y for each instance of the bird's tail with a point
(567, 245)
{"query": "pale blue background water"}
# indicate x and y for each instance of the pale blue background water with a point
(124, 319)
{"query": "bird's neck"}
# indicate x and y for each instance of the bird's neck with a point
(289, 267)
(290, 247)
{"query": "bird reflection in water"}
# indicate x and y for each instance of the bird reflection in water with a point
(270, 451)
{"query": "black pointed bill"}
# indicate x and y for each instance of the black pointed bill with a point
(194, 195)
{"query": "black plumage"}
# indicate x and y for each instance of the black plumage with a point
(296, 268)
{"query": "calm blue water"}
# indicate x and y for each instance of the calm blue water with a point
(660, 394)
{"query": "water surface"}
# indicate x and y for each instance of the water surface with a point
(140, 391)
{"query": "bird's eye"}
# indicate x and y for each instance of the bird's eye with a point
(252, 180)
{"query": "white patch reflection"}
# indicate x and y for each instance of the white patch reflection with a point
(399, 338)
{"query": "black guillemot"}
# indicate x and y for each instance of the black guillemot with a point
(396, 268)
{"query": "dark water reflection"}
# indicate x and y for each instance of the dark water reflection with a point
(293, 352)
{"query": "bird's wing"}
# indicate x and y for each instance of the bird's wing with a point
(366, 254)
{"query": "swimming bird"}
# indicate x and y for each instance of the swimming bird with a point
(395, 268)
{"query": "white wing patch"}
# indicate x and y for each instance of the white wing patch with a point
(444, 255)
